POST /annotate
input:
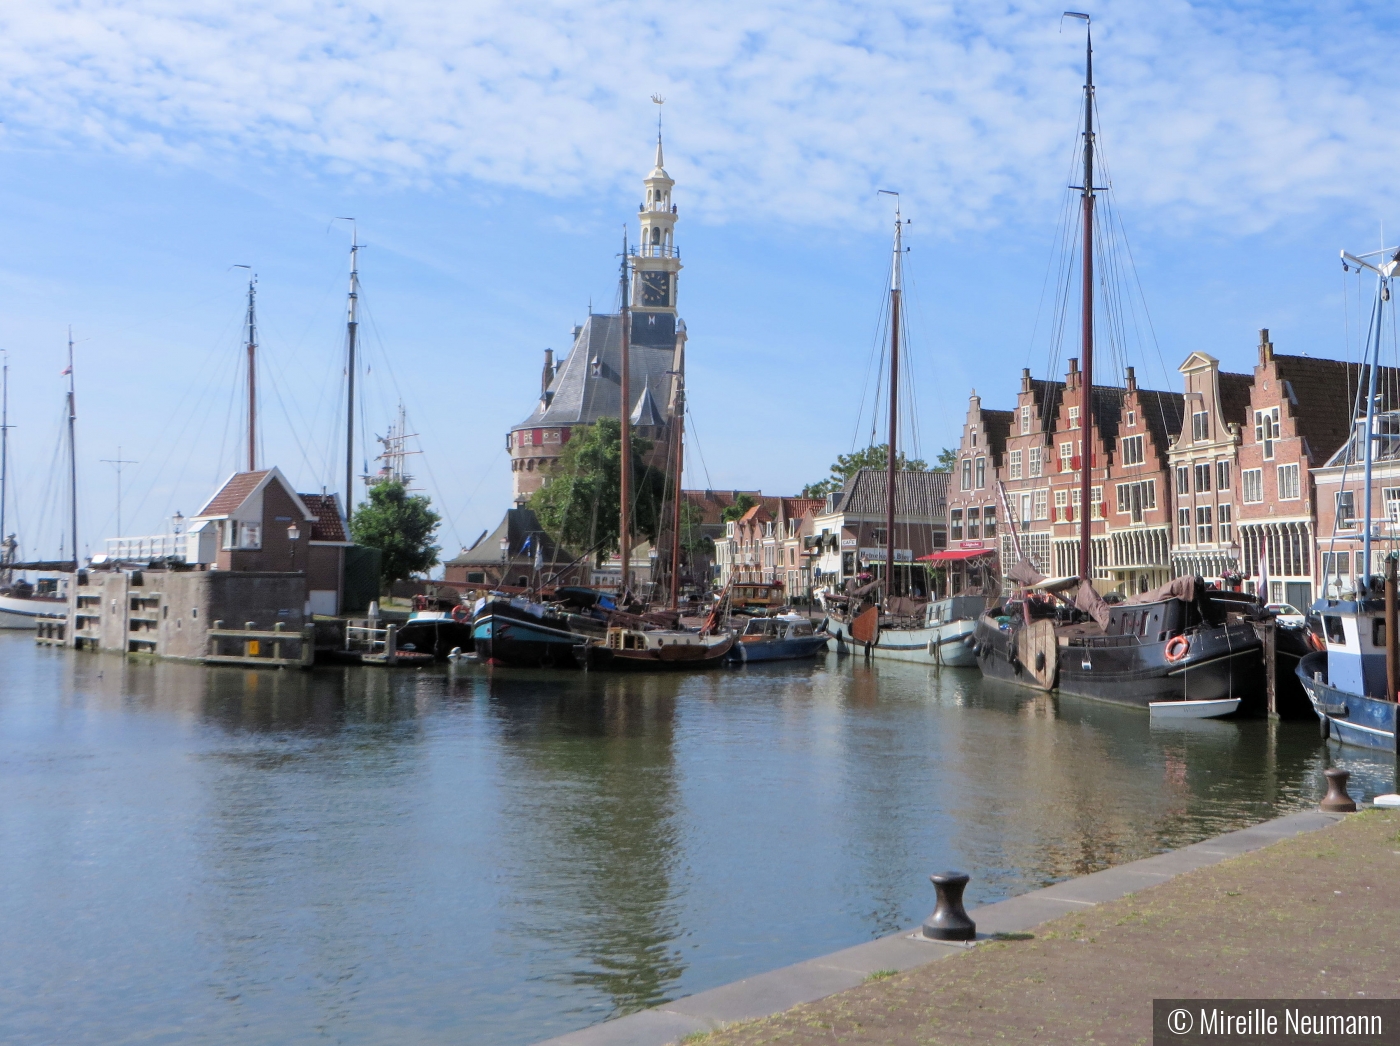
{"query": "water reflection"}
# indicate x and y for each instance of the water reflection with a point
(375, 856)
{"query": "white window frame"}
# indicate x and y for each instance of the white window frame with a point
(1205, 527)
(1183, 525)
(1132, 450)
(1225, 523)
(1222, 475)
(1037, 462)
(1013, 464)
(1025, 421)
(1042, 504)
(1200, 426)
(1289, 482)
(1252, 483)
(1067, 456)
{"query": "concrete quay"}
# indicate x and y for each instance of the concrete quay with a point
(1251, 913)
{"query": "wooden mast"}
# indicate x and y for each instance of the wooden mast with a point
(1086, 319)
(679, 428)
(625, 417)
(893, 463)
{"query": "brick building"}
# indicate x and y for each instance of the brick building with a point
(848, 531)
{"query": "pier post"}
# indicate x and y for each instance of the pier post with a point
(391, 639)
(277, 643)
(1337, 801)
(250, 646)
(1270, 637)
(308, 645)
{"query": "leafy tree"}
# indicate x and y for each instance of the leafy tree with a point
(847, 465)
(742, 504)
(401, 526)
(947, 460)
(579, 503)
(694, 541)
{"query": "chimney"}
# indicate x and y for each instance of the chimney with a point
(547, 376)
(1025, 379)
(1132, 380)
(1073, 378)
(1266, 347)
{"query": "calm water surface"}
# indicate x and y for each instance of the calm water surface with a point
(468, 855)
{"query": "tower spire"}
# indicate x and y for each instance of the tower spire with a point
(659, 103)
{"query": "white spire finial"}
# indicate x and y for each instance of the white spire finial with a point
(659, 102)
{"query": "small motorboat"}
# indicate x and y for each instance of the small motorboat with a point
(437, 632)
(1189, 709)
(785, 637)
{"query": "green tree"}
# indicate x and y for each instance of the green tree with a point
(579, 503)
(947, 460)
(742, 504)
(401, 526)
(694, 541)
(847, 465)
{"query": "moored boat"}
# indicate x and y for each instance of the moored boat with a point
(525, 634)
(939, 633)
(783, 637)
(632, 649)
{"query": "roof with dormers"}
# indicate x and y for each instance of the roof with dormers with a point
(588, 383)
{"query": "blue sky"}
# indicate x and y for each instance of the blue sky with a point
(492, 152)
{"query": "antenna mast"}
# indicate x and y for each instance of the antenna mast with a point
(252, 379)
(893, 460)
(117, 463)
(4, 452)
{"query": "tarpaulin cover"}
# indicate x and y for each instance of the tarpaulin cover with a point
(1089, 601)
(1183, 588)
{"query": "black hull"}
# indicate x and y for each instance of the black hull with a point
(604, 659)
(436, 637)
(1223, 662)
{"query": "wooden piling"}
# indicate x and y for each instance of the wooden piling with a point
(1270, 637)
(1392, 652)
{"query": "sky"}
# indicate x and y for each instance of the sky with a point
(492, 154)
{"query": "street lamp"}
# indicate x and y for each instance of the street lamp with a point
(505, 556)
(293, 534)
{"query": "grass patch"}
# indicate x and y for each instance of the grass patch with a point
(879, 975)
(1013, 936)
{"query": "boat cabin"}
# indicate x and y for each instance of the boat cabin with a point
(788, 626)
(634, 639)
(956, 608)
(1354, 631)
(758, 594)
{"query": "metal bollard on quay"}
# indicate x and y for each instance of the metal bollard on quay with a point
(949, 921)
(1337, 801)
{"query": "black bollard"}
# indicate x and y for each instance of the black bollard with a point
(1337, 801)
(949, 921)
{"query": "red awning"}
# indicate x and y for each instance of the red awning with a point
(955, 555)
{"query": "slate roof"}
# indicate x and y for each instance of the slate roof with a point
(1323, 397)
(710, 504)
(587, 385)
(1047, 397)
(519, 523)
(1164, 413)
(996, 426)
(921, 495)
(233, 493)
(646, 413)
(1234, 396)
(328, 525)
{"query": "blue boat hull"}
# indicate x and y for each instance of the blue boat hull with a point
(526, 644)
(1353, 719)
(778, 649)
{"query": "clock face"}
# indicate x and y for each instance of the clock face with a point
(656, 288)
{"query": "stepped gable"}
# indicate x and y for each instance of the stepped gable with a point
(1108, 411)
(233, 493)
(588, 384)
(916, 494)
(329, 525)
(1047, 397)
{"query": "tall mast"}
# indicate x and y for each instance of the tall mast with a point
(252, 375)
(1086, 318)
(72, 452)
(351, 327)
(4, 449)
(892, 464)
(676, 498)
(625, 417)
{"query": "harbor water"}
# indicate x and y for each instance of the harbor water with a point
(466, 854)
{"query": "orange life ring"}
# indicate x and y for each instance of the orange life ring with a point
(461, 614)
(1177, 648)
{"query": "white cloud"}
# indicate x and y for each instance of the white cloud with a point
(792, 111)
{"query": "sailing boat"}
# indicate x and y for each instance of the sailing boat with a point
(1179, 650)
(900, 627)
(1352, 679)
(21, 602)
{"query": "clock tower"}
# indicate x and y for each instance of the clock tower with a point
(656, 263)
